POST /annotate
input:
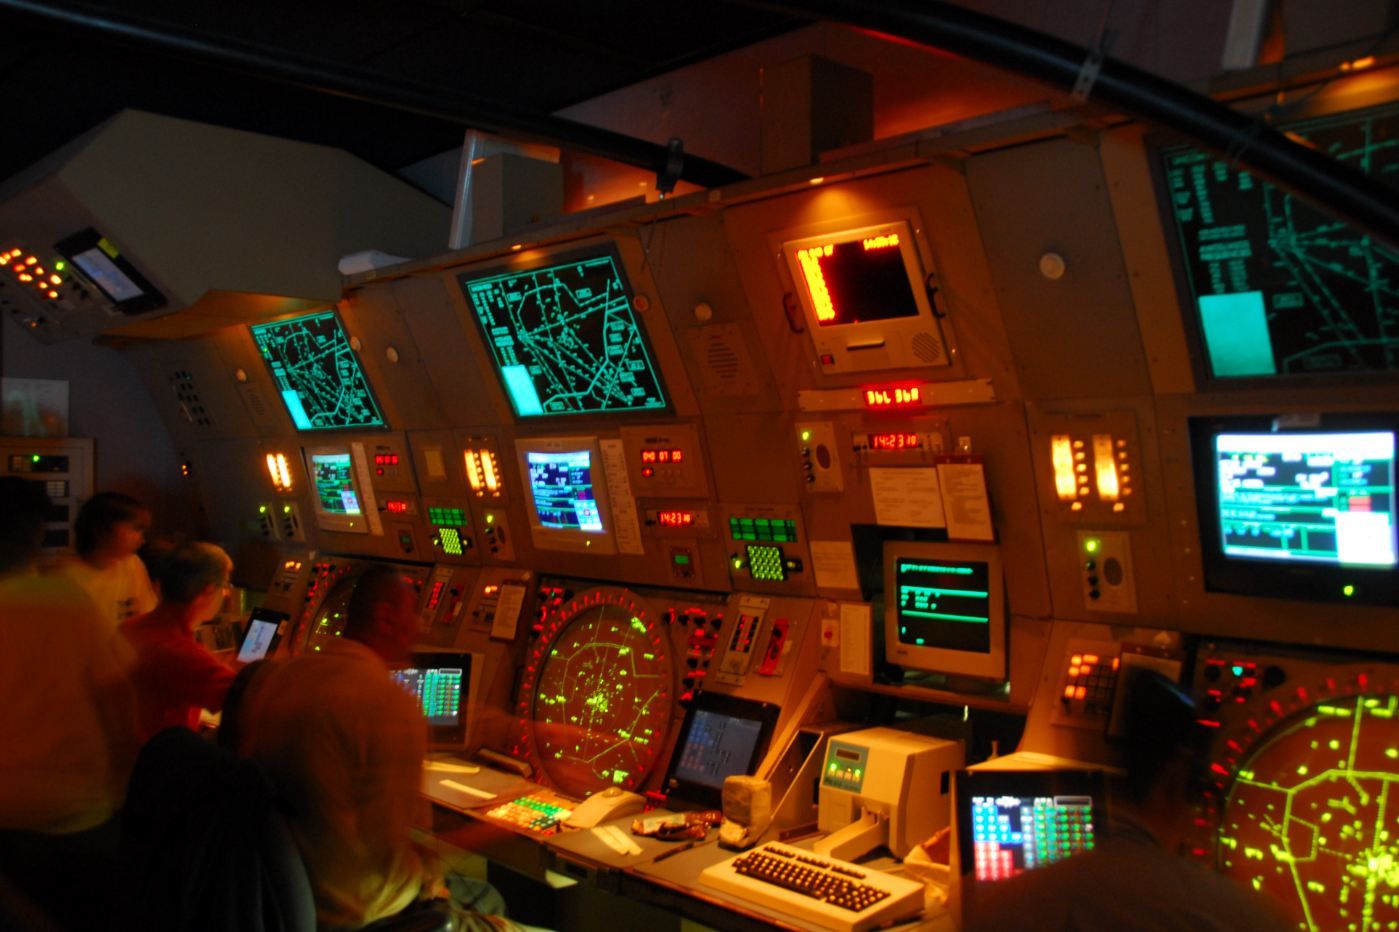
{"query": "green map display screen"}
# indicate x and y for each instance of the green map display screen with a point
(1281, 288)
(564, 337)
(317, 373)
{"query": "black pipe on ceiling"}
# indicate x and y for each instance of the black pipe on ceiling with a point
(444, 104)
(1331, 186)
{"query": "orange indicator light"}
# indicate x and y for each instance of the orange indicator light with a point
(1062, 456)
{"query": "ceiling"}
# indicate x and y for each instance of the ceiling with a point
(65, 67)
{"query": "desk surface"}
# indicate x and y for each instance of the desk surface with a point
(665, 872)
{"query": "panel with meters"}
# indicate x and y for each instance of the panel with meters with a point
(1089, 466)
(64, 467)
(665, 460)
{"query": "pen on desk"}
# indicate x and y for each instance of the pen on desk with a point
(674, 851)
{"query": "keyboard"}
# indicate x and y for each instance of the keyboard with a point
(816, 890)
(539, 812)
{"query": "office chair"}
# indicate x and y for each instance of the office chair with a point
(204, 847)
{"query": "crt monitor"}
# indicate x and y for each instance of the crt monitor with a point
(564, 335)
(339, 488)
(566, 490)
(861, 287)
(1275, 287)
(721, 736)
(441, 682)
(944, 608)
(110, 272)
(260, 638)
(1299, 507)
(318, 373)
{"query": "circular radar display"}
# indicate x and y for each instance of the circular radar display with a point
(1312, 817)
(330, 618)
(598, 695)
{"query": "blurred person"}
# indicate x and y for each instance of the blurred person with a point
(1133, 879)
(108, 535)
(343, 746)
(175, 676)
(66, 729)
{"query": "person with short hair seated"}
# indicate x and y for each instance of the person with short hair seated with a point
(175, 676)
(343, 746)
(108, 533)
(66, 742)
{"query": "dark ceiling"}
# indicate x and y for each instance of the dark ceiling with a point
(65, 67)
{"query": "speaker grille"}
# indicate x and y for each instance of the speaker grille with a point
(187, 396)
(928, 349)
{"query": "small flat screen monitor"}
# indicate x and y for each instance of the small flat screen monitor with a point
(1299, 512)
(317, 372)
(944, 608)
(567, 492)
(441, 682)
(1012, 821)
(720, 737)
(1276, 287)
(564, 336)
(862, 290)
(260, 638)
(339, 500)
(110, 272)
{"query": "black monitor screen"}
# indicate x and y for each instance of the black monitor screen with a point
(1299, 513)
(1009, 822)
(440, 682)
(721, 736)
(1280, 288)
(857, 280)
(317, 373)
(564, 336)
(942, 603)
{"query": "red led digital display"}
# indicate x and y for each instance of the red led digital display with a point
(396, 506)
(675, 518)
(893, 396)
(894, 440)
(663, 456)
(385, 459)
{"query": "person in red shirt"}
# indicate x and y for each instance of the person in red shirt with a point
(174, 675)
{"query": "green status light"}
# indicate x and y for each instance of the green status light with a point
(1348, 590)
(36, 458)
(60, 265)
(1092, 544)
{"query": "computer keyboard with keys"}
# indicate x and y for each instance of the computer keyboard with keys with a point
(539, 812)
(817, 890)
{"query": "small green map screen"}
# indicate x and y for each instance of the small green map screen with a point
(564, 336)
(317, 373)
(1281, 288)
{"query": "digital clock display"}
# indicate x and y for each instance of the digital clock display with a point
(895, 440)
(675, 518)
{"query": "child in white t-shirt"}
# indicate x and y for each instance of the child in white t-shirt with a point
(110, 529)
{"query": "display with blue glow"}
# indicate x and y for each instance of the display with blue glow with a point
(333, 477)
(562, 486)
(1281, 288)
(564, 337)
(1325, 497)
(317, 373)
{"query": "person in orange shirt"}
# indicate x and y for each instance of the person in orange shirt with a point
(174, 675)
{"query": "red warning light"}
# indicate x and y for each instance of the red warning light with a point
(890, 397)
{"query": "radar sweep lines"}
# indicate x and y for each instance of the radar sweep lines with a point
(1312, 818)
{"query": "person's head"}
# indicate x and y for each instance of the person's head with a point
(382, 613)
(110, 525)
(23, 507)
(194, 577)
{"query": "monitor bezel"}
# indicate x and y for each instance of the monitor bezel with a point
(76, 244)
(871, 345)
(534, 261)
(997, 782)
(1306, 581)
(383, 422)
(330, 521)
(452, 737)
(688, 792)
(568, 539)
(990, 665)
(282, 619)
